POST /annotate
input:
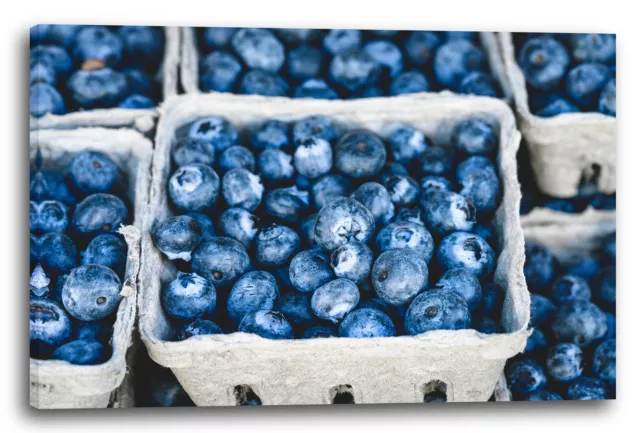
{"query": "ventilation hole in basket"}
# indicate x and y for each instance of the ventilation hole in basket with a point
(435, 392)
(245, 396)
(342, 394)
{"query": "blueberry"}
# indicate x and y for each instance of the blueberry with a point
(585, 82)
(436, 309)
(435, 183)
(99, 213)
(313, 157)
(390, 169)
(39, 282)
(92, 172)
(143, 45)
(556, 107)
(49, 185)
(320, 331)
(385, 33)
(48, 216)
(256, 290)
(197, 328)
(241, 188)
(52, 56)
(82, 352)
(338, 40)
(580, 322)
(221, 260)
(307, 227)
(487, 233)
(341, 221)
(565, 362)
(371, 92)
(276, 244)
(421, 47)
(543, 395)
(315, 89)
(609, 248)
(482, 187)
(525, 376)
(473, 163)
(102, 88)
(480, 84)
(59, 34)
(353, 70)
(140, 82)
(296, 307)
(544, 63)
(100, 330)
(474, 136)
(177, 236)
(56, 253)
(366, 323)
(106, 250)
(463, 283)
(237, 157)
(452, 36)
(259, 49)
(219, 72)
(604, 361)
(267, 324)
(379, 304)
(406, 143)
(44, 99)
(352, 261)
(412, 214)
(188, 297)
(611, 325)
(194, 188)
(360, 154)
(205, 223)
(137, 102)
(446, 212)
(314, 127)
(49, 326)
(486, 325)
(239, 224)
(539, 266)
(570, 288)
(310, 269)
(409, 82)
(594, 47)
(587, 388)
(287, 204)
(304, 62)
(542, 310)
(329, 188)
(399, 275)
(386, 54)
(217, 37)
(275, 166)
(607, 100)
(464, 250)
(492, 300)
(298, 36)
(435, 161)
(333, 300)
(406, 235)
(604, 284)
(91, 292)
(40, 72)
(215, 130)
(537, 341)
(271, 134)
(97, 43)
(455, 59)
(376, 198)
(259, 82)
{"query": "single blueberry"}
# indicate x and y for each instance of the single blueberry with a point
(276, 244)
(106, 250)
(259, 49)
(604, 361)
(526, 376)
(482, 187)
(437, 309)
(473, 163)
(256, 290)
(205, 223)
(137, 102)
(544, 62)
(40, 72)
(565, 362)
(56, 253)
(92, 171)
(607, 100)
(215, 130)
(421, 47)
(99, 213)
(585, 82)
(101, 330)
(177, 236)
(611, 325)
(455, 59)
(353, 70)
(189, 297)
(49, 185)
(409, 82)
(406, 143)
(604, 283)
(352, 261)
(474, 136)
(539, 266)
(241, 188)
(333, 300)
(271, 134)
(142, 46)
(594, 47)
(390, 169)
(412, 214)
(587, 388)
(570, 288)
(315, 89)
(465, 250)
(367, 323)
(556, 107)
(101, 88)
(435, 183)
(320, 331)
(314, 127)
(387, 54)
(304, 62)
(307, 228)
(463, 283)
(436, 161)
(236, 157)
(446, 212)
(267, 324)
(486, 325)
(341, 221)
(542, 395)
(536, 342)
(275, 166)
(91, 292)
(313, 158)
(141, 83)
(219, 72)
(198, 327)
(44, 99)
(82, 352)
(287, 204)
(542, 310)
(259, 82)
(310, 269)
(338, 40)
(580, 322)
(492, 300)
(480, 84)
(194, 188)
(239, 224)
(377, 199)
(97, 43)
(296, 307)
(52, 56)
(329, 188)
(217, 37)
(399, 275)
(360, 154)
(221, 260)
(49, 326)
(406, 235)
(48, 216)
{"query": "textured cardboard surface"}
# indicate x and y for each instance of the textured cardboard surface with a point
(141, 120)
(564, 148)
(58, 384)
(379, 370)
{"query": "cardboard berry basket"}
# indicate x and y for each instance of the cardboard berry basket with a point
(142, 120)
(216, 370)
(564, 149)
(543, 216)
(190, 57)
(59, 384)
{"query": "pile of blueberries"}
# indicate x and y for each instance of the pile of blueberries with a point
(568, 73)
(75, 67)
(74, 297)
(308, 230)
(571, 354)
(342, 64)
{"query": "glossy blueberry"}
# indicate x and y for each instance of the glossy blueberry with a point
(565, 362)
(570, 288)
(333, 300)
(320, 331)
(82, 352)
(142, 45)
(360, 154)
(237, 157)
(221, 260)
(296, 307)
(271, 134)
(399, 275)
(406, 143)
(537, 341)
(492, 300)
(217, 37)
(474, 136)
(97, 43)
(366, 323)
(486, 325)
(48, 216)
(137, 102)
(53, 56)
(314, 127)
(542, 310)
(276, 244)
(49, 326)
(259, 49)
(482, 187)
(101, 88)
(435, 161)
(585, 83)
(436, 309)
(377, 199)
(275, 166)
(580, 322)
(387, 54)
(542, 395)
(198, 327)
(39, 282)
(56, 253)
(219, 72)
(256, 290)
(463, 283)
(465, 250)
(259, 82)
(188, 297)
(313, 157)
(307, 231)
(406, 235)
(594, 47)
(338, 40)
(177, 236)
(241, 188)
(91, 292)
(409, 82)
(106, 250)
(310, 269)
(446, 212)
(587, 388)
(287, 204)
(215, 130)
(315, 89)
(44, 99)
(480, 84)
(352, 261)
(341, 221)
(304, 62)
(194, 188)
(604, 361)
(40, 72)
(456, 59)
(49, 185)
(410, 214)
(267, 324)
(239, 224)
(421, 46)
(526, 376)
(556, 107)
(607, 100)
(353, 70)
(604, 284)
(92, 171)
(539, 266)
(99, 213)
(544, 62)
(328, 188)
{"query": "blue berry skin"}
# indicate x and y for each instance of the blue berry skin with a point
(410, 214)
(56, 253)
(353, 71)
(319, 331)
(565, 362)
(570, 288)
(296, 307)
(487, 233)
(236, 157)
(304, 62)
(92, 172)
(310, 269)
(102, 88)
(188, 297)
(465, 250)
(473, 163)
(137, 102)
(409, 82)
(525, 376)
(39, 282)
(474, 136)
(436, 161)
(194, 188)
(480, 84)
(307, 228)
(97, 43)
(217, 37)
(420, 47)
(435, 183)
(329, 188)
(215, 130)
(604, 361)
(561, 205)
(101, 330)
(106, 250)
(177, 236)
(390, 169)
(406, 143)
(259, 82)
(48, 216)
(464, 284)
(387, 54)
(371, 92)
(446, 212)
(276, 244)
(219, 72)
(256, 290)
(604, 201)
(366, 323)
(333, 300)
(542, 310)
(594, 47)
(456, 59)
(376, 198)
(544, 63)
(482, 187)
(44, 99)
(275, 166)
(338, 40)
(492, 300)
(352, 261)
(241, 188)
(452, 36)
(486, 325)
(91, 292)
(271, 134)
(406, 235)
(198, 327)
(607, 100)
(143, 46)
(82, 352)
(585, 82)
(587, 388)
(436, 309)
(221, 260)
(298, 36)
(99, 213)
(52, 56)
(539, 266)
(611, 325)
(140, 82)
(205, 223)
(543, 395)
(556, 107)
(40, 72)
(287, 204)
(313, 158)
(314, 127)
(315, 89)
(341, 221)
(399, 275)
(49, 326)
(58, 34)
(360, 154)
(604, 284)
(267, 324)
(259, 49)
(239, 224)
(580, 322)
(609, 248)
(536, 342)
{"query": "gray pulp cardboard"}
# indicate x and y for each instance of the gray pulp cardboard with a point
(58, 384)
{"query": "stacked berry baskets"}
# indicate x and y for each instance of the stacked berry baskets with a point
(240, 283)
